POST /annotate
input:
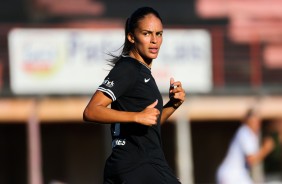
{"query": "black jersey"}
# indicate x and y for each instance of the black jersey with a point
(132, 88)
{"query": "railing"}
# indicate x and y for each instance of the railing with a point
(242, 66)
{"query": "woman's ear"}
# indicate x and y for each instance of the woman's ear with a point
(130, 37)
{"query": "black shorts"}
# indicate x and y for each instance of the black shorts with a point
(145, 174)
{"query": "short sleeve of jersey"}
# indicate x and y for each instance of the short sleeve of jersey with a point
(120, 79)
(249, 141)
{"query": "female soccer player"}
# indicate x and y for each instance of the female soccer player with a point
(137, 110)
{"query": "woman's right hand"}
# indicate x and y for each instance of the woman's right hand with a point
(149, 115)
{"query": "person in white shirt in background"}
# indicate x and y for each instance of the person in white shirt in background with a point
(244, 152)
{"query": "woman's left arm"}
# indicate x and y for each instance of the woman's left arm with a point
(176, 98)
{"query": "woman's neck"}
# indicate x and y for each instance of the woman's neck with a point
(146, 62)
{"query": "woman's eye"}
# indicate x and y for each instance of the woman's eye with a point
(159, 34)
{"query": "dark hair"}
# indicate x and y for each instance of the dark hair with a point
(130, 25)
(250, 112)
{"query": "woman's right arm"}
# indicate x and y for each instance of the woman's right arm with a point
(97, 111)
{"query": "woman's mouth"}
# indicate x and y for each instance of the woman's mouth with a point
(154, 50)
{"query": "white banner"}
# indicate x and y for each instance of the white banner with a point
(71, 61)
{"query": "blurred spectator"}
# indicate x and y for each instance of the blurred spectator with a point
(244, 152)
(273, 161)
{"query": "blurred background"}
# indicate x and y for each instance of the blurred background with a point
(227, 53)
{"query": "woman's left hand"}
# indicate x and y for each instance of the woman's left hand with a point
(176, 93)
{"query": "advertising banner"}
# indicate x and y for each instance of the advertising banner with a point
(74, 61)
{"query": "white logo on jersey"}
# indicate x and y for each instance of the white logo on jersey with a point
(146, 80)
(118, 142)
(109, 83)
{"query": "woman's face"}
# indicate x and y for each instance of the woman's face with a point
(255, 122)
(147, 38)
